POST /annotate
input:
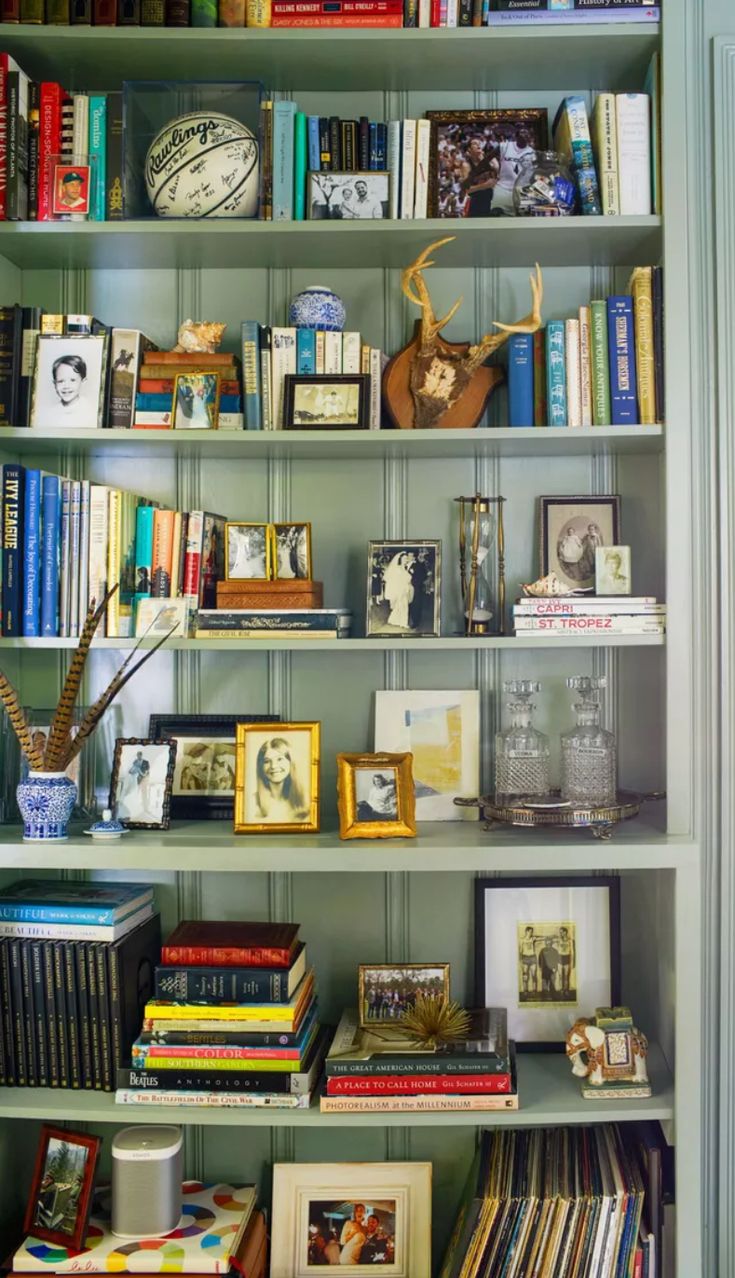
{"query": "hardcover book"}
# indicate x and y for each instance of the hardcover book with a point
(214, 985)
(53, 901)
(13, 490)
(621, 348)
(385, 1050)
(520, 380)
(289, 1083)
(287, 1014)
(218, 943)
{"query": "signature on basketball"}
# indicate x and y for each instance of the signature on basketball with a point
(203, 129)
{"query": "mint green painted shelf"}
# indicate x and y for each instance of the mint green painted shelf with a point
(602, 56)
(161, 243)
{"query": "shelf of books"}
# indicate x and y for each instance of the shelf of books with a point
(307, 643)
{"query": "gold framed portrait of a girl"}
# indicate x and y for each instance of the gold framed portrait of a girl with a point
(277, 778)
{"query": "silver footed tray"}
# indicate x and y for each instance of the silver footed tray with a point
(552, 810)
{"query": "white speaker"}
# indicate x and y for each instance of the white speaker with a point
(146, 1181)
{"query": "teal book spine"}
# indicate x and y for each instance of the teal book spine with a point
(204, 13)
(305, 351)
(143, 554)
(251, 398)
(98, 154)
(556, 373)
(299, 167)
(284, 114)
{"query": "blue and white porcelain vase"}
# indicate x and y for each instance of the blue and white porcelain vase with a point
(317, 307)
(46, 801)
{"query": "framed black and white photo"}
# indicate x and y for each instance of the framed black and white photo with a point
(404, 588)
(140, 787)
(375, 796)
(548, 950)
(572, 530)
(348, 196)
(247, 552)
(204, 772)
(612, 570)
(332, 401)
(476, 157)
(69, 382)
(277, 778)
(291, 552)
(196, 401)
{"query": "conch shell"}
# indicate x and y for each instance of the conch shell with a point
(195, 337)
(548, 587)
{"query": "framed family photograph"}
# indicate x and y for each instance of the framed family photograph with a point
(442, 732)
(404, 589)
(348, 196)
(375, 796)
(613, 570)
(476, 157)
(387, 991)
(203, 787)
(573, 529)
(60, 1200)
(351, 1215)
(277, 778)
(291, 552)
(247, 552)
(329, 401)
(141, 783)
(196, 401)
(549, 951)
(69, 382)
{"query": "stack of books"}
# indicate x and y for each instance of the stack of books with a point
(284, 623)
(590, 614)
(71, 954)
(154, 407)
(233, 1021)
(382, 1071)
(550, 12)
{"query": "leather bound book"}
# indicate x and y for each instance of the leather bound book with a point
(222, 943)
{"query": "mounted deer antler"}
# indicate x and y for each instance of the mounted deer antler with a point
(431, 376)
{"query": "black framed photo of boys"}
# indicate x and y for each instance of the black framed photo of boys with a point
(476, 157)
(60, 1200)
(69, 381)
(291, 552)
(572, 531)
(548, 950)
(141, 782)
(375, 796)
(203, 785)
(404, 589)
(329, 401)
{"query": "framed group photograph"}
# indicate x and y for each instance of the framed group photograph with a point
(476, 157)
(277, 778)
(60, 1200)
(247, 552)
(141, 783)
(442, 732)
(326, 401)
(404, 589)
(387, 991)
(351, 1215)
(196, 401)
(573, 529)
(348, 196)
(548, 950)
(203, 786)
(291, 552)
(69, 382)
(375, 796)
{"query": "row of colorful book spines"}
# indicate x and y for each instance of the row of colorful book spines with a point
(248, 13)
(146, 402)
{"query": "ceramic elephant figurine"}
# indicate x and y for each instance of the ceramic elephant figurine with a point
(608, 1050)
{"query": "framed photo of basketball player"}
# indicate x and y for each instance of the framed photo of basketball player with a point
(476, 157)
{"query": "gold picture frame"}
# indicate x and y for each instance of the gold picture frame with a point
(368, 810)
(276, 773)
(236, 549)
(277, 532)
(195, 404)
(386, 991)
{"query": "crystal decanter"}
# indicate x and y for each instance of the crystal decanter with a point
(588, 752)
(521, 751)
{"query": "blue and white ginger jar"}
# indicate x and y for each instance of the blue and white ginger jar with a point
(319, 308)
(46, 801)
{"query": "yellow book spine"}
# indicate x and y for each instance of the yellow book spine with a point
(258, 13)
(641, 288)
(197, 1012)
(113, 562)
(217, 1063)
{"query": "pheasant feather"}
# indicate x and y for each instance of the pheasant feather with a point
(19, 723)
(60, 734)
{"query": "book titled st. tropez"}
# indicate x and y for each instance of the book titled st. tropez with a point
(50, 901)
(623, 383)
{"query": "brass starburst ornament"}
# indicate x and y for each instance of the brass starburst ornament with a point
(434, 1021)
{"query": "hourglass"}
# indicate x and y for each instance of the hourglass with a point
(479, 527)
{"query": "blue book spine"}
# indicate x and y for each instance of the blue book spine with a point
(556, 373)
(150, 402)
(520, 380)
(382, 147)
(373, 146)
(230, 404)
(88, 916)
(251, 384)
(144, 517)
(305, 350)
(98, 154)
(51, 523)
(314, 153)
(284, 117)
(12, 586)
(32, 556)
(574, 111)
(621, 351)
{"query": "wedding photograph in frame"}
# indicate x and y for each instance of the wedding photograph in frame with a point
(351, 1215)
(60, 1199)
(547, 949)
(140, 786)
(203, 786)
(404, 589)
(277, 778)
(572, 530)
(375, 797)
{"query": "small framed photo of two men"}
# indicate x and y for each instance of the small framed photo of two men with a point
(477, 156)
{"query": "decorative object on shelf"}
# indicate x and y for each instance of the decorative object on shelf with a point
(554, 812)
(318, 307)
(545, 947)
(204, 772)
(141, 782)
(203, 165)
(608, 1054)
(476, 157)
(375, 796)
(277, 778)
(71, 185)
(521, 751)
(247, 551)
(108, 829)
(612, 570)
(442, 732)
(60, 1200)
(196, 400)
(46, 801)
(404, 589)
(69, 381)
(146, 1181)
(321, 1217)
(329, 401)
(195, 336)
(589, 772)
(544, 187)
(435, 1022)
(387, 992)
(348, 196)
(291, 552)
(478, 528)
(172, 616)
(81, 770)
(548, 587)
(435, 383)
(238, 597)
(572, 529)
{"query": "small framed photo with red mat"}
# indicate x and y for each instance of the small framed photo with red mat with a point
(71, 189)
(60, 1200)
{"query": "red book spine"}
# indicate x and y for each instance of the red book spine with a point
(381, 20)
(10, 10)
(104, 13)
(224, 956)
(417, 1084)
(3, 133)
(164, 385)
(435, 18)
(49, 142)
(638, 1266)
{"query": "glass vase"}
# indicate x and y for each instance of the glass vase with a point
(521, 751)
(588, 751)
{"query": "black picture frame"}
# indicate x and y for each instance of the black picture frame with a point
(165, 821)
(608, 502)
(295, 380)
(608, 883)
(196, 807)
